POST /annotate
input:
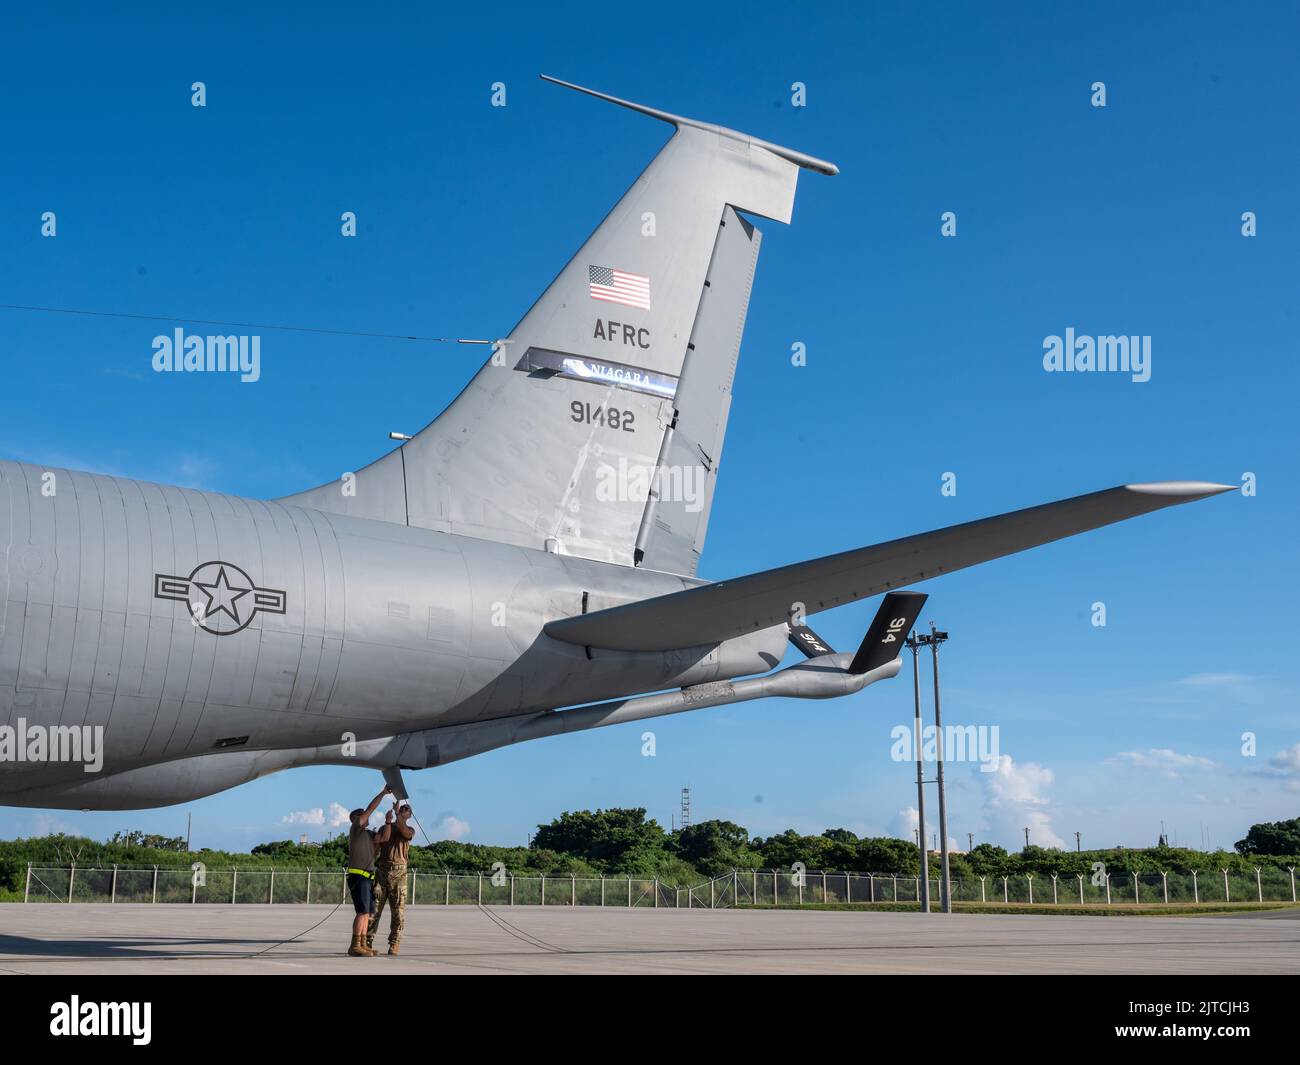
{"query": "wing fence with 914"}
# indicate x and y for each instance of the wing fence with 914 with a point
(884, 640)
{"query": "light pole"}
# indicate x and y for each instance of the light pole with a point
(934, 638)
(914, 643)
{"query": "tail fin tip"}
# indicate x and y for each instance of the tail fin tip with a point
(800, 159)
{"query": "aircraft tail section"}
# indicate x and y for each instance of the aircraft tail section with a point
(596, 426)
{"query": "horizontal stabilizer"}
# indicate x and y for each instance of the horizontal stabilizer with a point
(715, 612)
(800, 159)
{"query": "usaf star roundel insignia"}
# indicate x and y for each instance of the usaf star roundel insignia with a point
(222, 598)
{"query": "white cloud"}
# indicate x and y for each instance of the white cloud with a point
(451, 827)
(1017, 798)
(1288, 759)
(337, 817)
(905, 822)
(1216, 680)
(1164, 761)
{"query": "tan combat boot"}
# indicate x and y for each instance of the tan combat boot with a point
(359, 948)
(392, 949)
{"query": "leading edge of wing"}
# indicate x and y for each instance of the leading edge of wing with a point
(716, 612)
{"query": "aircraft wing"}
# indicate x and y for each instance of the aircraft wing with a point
(715, 612)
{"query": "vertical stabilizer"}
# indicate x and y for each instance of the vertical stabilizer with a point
(623, 364)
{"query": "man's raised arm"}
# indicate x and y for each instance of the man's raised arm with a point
(374, 803)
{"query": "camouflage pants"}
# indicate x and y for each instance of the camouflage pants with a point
(390, 888)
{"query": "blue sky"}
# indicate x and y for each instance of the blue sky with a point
(1117, 220)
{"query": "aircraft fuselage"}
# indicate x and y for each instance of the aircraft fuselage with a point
(187, 623)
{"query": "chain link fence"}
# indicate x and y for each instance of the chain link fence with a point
(206, 884)
(125, 884)
(779, 888)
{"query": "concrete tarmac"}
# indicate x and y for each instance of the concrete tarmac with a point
(132, 938)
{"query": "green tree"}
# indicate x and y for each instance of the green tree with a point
(604, 837)
(887, 855)
(840, 835)
(715, 847)
(784, 850)
(136, 838)
(285, 848)
(1276, 837)
(988, 859)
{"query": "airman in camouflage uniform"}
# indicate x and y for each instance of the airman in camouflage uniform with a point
(390, 881)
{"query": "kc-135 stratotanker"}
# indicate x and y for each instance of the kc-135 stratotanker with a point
(481, 584)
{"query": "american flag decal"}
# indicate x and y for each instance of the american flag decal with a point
(618, 286)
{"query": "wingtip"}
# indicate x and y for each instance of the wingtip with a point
(1182, 489)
